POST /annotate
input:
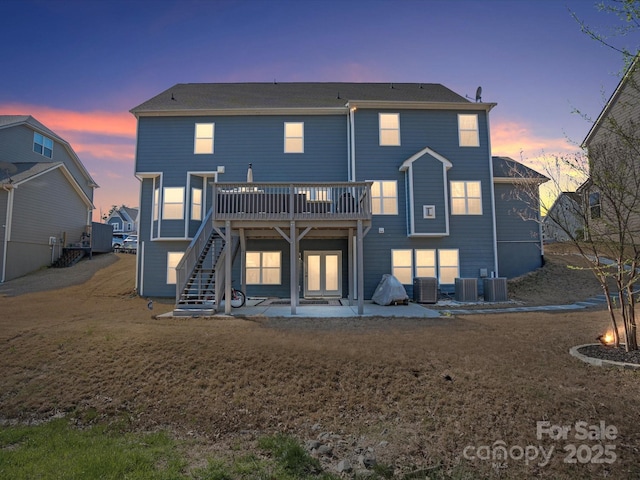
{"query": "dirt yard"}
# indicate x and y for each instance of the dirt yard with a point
(416, 395)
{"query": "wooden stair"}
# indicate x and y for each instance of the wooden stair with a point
(69, 257)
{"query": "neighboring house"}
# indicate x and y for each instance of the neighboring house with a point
(517, 217)
(123, 219)
(350, 181)
(613, 143)
(46, 196)
(564, 221)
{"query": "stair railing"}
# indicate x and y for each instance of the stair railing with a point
(185, 267)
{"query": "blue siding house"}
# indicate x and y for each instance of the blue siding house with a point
(316, 190)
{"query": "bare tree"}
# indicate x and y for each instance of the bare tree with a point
(602, 218)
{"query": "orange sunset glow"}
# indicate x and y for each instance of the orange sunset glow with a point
(105, 143)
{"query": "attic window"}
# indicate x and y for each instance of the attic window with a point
(42, 145)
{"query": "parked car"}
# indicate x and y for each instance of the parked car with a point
(130, 244)
(118, 239)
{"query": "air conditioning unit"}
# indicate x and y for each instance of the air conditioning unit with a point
(495, 289)
(466, 289)
(425, 290)
(53, 240)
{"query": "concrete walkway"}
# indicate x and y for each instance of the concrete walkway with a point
(258, 307)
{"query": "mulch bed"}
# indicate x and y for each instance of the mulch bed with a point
(610, 353)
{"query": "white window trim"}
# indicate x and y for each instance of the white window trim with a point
(437, 266)
(466, 197)
(171, 269)
(194, 204)
(404, 268)
(395, 129)
(156, 203)
(45, 140)
(381, 198)
(467, 130)
(435, 262)
(196, 138)
(291, 137)
(261, 268)
(440, 266)
(165, 203)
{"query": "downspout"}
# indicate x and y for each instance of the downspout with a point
(348, 147)
(353, 143)
(7, 231)
(493, 202)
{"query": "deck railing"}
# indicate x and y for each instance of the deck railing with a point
(292, 201)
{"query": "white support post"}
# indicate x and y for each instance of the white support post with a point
(360, 269)
(352, 289)
(227, 269)
(294, 267)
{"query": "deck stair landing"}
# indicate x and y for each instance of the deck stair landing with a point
(69, 257)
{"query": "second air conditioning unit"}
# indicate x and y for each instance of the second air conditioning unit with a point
(425, 290)
(466, 289)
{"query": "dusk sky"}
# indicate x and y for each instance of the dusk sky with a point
(80, 66)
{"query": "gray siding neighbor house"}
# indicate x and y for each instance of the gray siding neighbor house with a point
(612, 144)
(46, 196)
(316, 190)
(565, 219)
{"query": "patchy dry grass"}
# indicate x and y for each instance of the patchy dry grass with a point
(94, 352)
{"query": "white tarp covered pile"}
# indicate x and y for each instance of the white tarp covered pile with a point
(389, 291)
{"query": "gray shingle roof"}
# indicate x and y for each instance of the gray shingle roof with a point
(11, 120)
(212, 96)
(24, 171)
(506, 167)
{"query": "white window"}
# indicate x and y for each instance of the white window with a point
(293, 137)
(156, 203)
(384, 197)
(468, 130)
(173, 203)
(203, 142)
(426, 263)
(448, 266)
(389, 129)
(42, 145)
(402, 265)
(466, 198)
(263, 268)
(173, 259)
(196, 204)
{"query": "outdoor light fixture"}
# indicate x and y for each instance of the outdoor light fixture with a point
(606, 339)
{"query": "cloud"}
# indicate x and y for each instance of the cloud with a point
(516, 140)
(66, 122)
